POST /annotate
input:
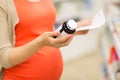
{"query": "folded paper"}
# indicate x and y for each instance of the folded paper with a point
(96, 22)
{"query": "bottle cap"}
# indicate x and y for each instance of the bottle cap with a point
(72, 24)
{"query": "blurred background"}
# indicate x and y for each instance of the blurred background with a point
(94, 56)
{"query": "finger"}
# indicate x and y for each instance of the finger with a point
(66, 43)
(52, 34)
(81, 32)
(63, 39)
(83, 23)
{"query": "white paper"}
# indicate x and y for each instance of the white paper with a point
(96, 22)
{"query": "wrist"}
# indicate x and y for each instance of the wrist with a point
(38, 42)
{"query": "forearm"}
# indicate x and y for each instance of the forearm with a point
(20, 54)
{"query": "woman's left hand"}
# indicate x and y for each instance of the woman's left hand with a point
(83, 23)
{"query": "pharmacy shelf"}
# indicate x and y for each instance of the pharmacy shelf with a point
(116, 43)
(105, 46)
(114, 37)
(111, 72)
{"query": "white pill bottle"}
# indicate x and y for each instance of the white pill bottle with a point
(68, 27)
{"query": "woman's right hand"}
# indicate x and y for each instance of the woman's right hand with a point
(48, 39)
(22, 53)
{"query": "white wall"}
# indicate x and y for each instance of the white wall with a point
(81, 45)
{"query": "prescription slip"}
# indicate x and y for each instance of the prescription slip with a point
(96, 22)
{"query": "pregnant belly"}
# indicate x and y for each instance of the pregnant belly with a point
(46, 64)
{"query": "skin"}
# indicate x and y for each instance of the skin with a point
(22, 53)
